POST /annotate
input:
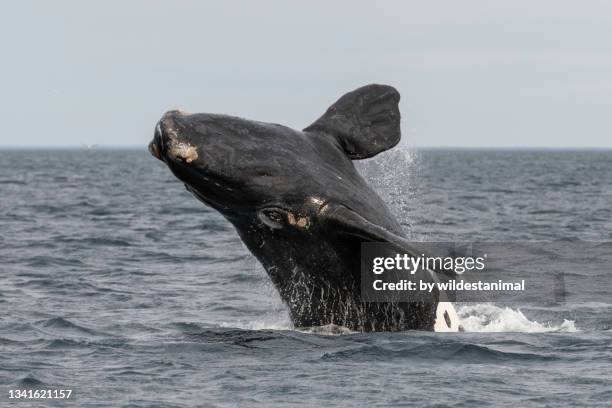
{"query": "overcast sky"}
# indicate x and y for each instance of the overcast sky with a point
(471, 73)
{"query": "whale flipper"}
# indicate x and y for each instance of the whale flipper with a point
(346, 221)
(365, 121)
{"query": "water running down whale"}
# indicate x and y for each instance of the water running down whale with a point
(299, 205)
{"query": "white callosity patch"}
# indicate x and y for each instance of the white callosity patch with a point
(297, 221)
(183, 151)
(180, 150)
(490, 318)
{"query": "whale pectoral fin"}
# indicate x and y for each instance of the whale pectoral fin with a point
(365, 121)
(344, 221)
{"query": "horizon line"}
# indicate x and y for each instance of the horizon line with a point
(416, 147)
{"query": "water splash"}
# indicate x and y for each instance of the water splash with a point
(490, 318)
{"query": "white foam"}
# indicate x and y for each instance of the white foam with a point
(327, 330)
(485, 317)
(272, 322)
(283, 323)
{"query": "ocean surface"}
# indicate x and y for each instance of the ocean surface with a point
(116, 283)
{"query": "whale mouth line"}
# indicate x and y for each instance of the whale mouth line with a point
(155, 150)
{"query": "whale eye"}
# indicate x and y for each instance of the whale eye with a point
(273, 217)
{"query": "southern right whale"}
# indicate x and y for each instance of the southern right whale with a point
(299, 205)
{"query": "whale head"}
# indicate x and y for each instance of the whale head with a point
(239, 166)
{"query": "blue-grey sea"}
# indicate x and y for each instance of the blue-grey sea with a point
(116, 283)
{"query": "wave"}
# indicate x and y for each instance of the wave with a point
(57, 325)
(431, 350)
(30, 382)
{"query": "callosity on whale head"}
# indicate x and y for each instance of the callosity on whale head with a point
(298, 203)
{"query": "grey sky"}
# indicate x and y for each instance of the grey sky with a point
(471, 73)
